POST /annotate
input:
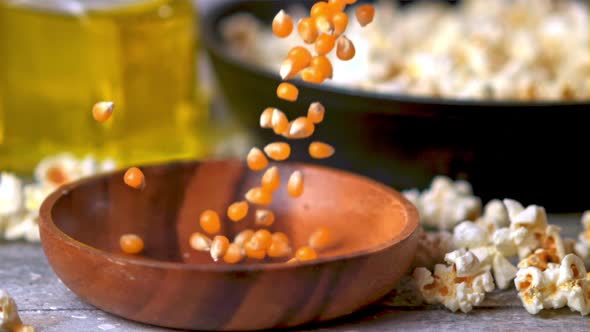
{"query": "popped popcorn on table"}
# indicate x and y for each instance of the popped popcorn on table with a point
(9, 318)
(582, 246)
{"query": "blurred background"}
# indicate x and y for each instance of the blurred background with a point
(495, 92)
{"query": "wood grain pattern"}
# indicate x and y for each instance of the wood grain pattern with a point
(170, 285)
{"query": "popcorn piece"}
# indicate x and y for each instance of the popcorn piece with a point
(504, 272)
(530, 284)
(469, 235)
(495, 216)
(504, 243)
(9, 319)
(572, 281)
(527, 226)
(10, 194)
(35, 194)
(582, 246)
(432, 247)
(24, 227)
(57, 170)
(465, 262)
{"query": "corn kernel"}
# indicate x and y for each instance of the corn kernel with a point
(312, 75)
(322, 63)
(307, 30)
(323, 24)
(243, 237)
(364, 14)
(279, 122)
(287, 91)
(282, 24)
(256, 160)
(271, 179)
(350, 2)
(131, 243)
(134, 178)
(279, 248)
(305, 254)
(209, 221)
(295, 184)
(219, 247)
(321, 8)
(102, 111)
(266, 117)
(337, 5)
(280, 236)
(292, 260)
(345, 49)
(254, 253)
(324, 44)
(297, 59)
(278, 150)
(261, 240)
(237, 211)
(301, 127)
(259, 196)
(233, 254)
(340, 22)
(264, 218)
(321, 238)
(319, 150)
(315, 112)
(200, 242)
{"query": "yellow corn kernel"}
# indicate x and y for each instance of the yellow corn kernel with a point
(315, 112)
(219, 246)
(345, 49)
(233, 254)
(264, 218)
(256, 160)
(287, 91)
(324, 44)
(279, 248)
(278, 150)
(259, 196)
(321, 238)
(200, 242)
(102, 111)
(301, 127)
(298, 58)
(209, 221)
(307, 30)
(261, 240)
(312, 75)
(279, 122)
(271, 180)
(364, 14)
(237, 211)
(295, 184)
(254, 253)
(243, 237)
(340, 22)
(280, 236)
(305, 254)
(131, 244)
(266, 117)
(319, 150)
(282, 24)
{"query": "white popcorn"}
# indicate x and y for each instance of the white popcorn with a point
(527, 226)
(504, 272)
(530, 284)
(432, 247)
(25, 227)
(504, 243)
(582, 246)
(9, 319)
(495, 216)
(469, 235)
(10, 194)
(57, 170)
(35, 194)
(465, 262)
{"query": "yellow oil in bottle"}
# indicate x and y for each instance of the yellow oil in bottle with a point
(57, 58)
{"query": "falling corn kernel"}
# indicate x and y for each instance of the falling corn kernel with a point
(237, 211)
(200, 242)
(307, 30)
(295, 184)
(305, 254)
(102, 111)
(315, 112)
(264, 218)
(297, 59)
(279, 248)
(345, 49)
(259, 196)
(323, 24)
(219, 247)
(233, 254)
(134, 178)
(278, 150)
(279, 122)
(340, 22)
(322, 63)
(321, 238)
(243, 237)
(271, 179)
(209, 221)
(266, 117)
(256, 160)
(282, 24)
(280, 236)
(254, 253)
(319, 150)
(337, 5)
(131, 244)
(312, 75)
(287, 91)
(301, 127)
(321, 8)
(292, 260)
(324, 44)
(261, 240)
(364, 14)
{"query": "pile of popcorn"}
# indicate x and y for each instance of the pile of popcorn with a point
(479, 49)
(20, 202)
(475, 256)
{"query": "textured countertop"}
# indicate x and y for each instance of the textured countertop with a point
(47, 304)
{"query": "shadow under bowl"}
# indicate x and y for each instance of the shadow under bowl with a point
(171, 285)
(530, 151)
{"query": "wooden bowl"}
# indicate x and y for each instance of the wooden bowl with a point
(173, 286)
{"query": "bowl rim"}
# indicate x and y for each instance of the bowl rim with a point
(214, 45)
(49, 228)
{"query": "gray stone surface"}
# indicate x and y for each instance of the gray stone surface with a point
(47, 304)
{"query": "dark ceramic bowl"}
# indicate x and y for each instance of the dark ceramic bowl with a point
(531, 151)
